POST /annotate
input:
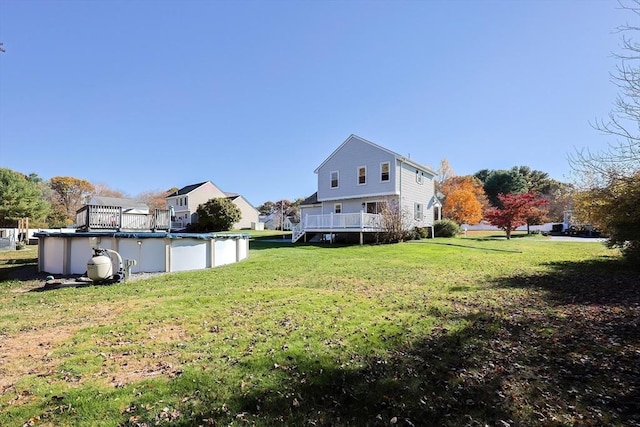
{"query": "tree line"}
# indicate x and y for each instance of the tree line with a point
(505, 198)
(605, 190)
(53, 203)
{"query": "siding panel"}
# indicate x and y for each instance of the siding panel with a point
(413, 192)
(352, 155)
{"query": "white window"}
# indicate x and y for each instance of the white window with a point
(419, 176)
(334, 179)
(384, 172)
(337, 208)
(417, 211)
(362, 175)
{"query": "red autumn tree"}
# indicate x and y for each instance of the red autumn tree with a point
(516, 210)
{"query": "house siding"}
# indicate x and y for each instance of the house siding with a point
(353, 154)
(195, 198)
(203, 194)
(248, 213)
(402, 188)
(412, 192)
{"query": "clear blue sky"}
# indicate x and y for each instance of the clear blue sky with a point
(254, 95)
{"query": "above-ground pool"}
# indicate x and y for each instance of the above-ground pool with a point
(68, 253)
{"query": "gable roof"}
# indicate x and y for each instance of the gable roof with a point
(186, 190)
(392, 153)
(311, 200)
(118, 202)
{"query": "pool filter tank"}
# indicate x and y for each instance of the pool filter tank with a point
(100, 266)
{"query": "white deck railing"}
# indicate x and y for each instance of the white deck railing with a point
(96, 217)
(356, 222)
(352, 221)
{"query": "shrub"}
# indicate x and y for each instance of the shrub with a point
(217, 214)
(445, 228)
(422, 232)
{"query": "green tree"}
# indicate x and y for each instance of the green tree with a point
(503, 182)
(20, 197)
(482, 175)
(535, 180)
(267, 208)
(217, 214)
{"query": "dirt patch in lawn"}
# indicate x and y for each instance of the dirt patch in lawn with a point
(30, 353)
(123, 366)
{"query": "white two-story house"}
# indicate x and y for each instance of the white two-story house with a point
(357, 182)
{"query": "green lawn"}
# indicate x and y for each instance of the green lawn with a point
(464, 331)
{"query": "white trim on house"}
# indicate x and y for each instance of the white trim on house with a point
(358, 176)
(393, 153)
(331, 186)
(409, 184)
(388, 163)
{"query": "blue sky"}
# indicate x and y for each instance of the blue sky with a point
(146, 95)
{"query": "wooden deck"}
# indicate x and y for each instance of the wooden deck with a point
(113, 218)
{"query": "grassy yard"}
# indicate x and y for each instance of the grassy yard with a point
(465, 331)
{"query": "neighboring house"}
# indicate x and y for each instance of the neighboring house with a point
(273, 220)
(184, 204)
(249, 215)
(356, 182)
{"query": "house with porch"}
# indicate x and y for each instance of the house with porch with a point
(184, 203)
(356, 184)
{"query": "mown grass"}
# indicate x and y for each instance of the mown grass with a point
(467, 331)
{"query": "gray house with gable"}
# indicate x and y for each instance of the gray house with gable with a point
(355, 185)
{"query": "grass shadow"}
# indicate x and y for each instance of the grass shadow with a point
(503, 236)
(20, 269)
(497, 370)
(269, 242)
(567, 353)
(601, 281)
(482, 248)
